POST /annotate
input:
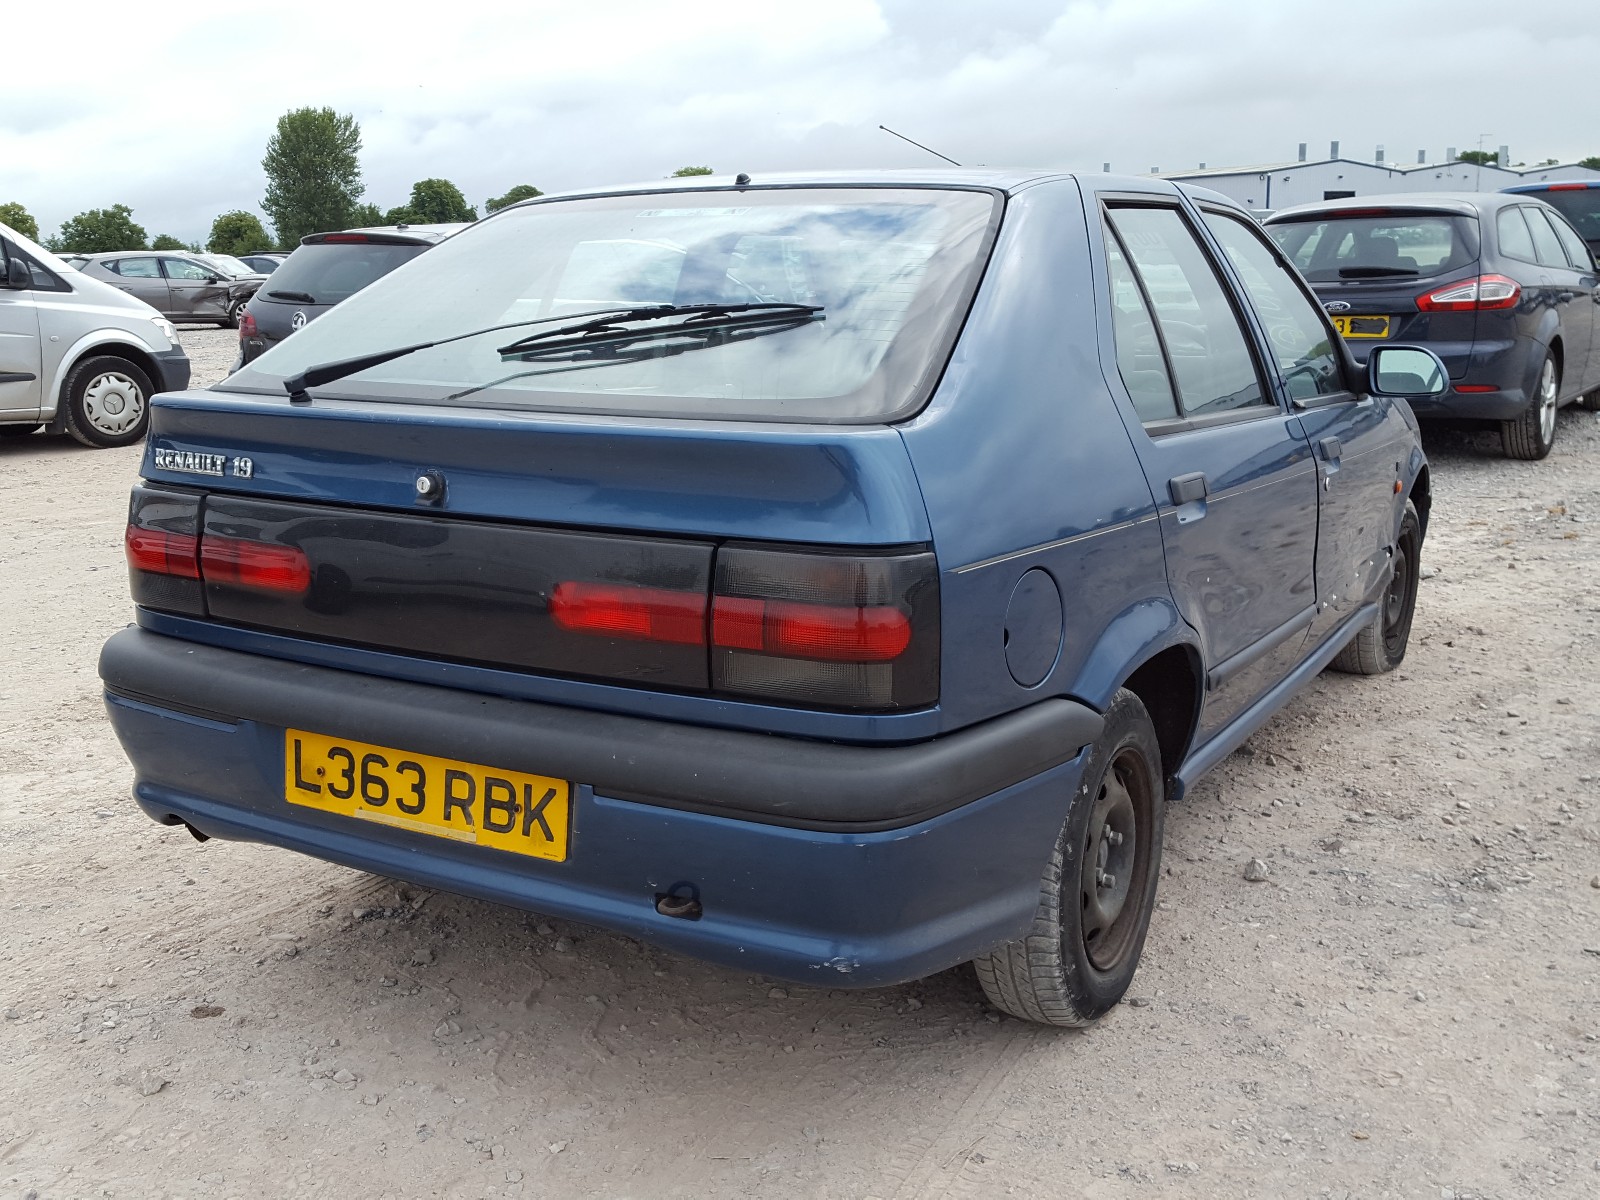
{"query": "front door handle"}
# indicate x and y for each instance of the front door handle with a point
(1186, 489)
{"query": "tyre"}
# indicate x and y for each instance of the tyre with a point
(1590, 401)
(1531, 435)
(18, 431)
(1381, 646)
(1098, 889)
(108, 402)
(235, 311)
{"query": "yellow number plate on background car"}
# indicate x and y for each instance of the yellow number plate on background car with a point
(1361, 327)
(525, 814)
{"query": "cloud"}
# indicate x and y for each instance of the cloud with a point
(172, 116)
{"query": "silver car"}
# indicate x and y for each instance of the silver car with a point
(77, 355)
(181, 287)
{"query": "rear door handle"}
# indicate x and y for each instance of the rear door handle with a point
(1186, 489)
(1331, 448)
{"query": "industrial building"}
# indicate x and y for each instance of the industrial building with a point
(1272, 186)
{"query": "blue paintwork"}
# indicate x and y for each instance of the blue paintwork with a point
(1028, 456)
(905, 913)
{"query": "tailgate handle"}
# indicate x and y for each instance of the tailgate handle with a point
(1186, 489)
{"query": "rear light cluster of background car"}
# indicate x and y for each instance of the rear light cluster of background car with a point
(815, 626)
(1484, 293)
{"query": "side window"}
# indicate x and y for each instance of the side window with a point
(44, 279)
(182, 268)
(1139, 358)
(1577, 249)
(1515, 240)
(135, 268)
(1544, 239)
(1301, 340)
(1206, 345)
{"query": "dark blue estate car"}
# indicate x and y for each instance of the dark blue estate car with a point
(832, 577)
(1500, 286)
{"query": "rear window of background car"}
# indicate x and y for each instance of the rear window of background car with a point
(1405, 244)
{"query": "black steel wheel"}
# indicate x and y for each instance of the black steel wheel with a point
(1098, 888)
(1381, 646)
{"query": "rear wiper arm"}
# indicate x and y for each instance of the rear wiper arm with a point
(328, 372)
(303, 297)
(695, 316)
(1375, 272)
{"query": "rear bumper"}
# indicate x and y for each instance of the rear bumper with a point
(173, 367)
(825, 864)
(1502, 404)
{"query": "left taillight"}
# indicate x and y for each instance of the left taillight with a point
(162, 544)
(247, 326)
(1483, 293)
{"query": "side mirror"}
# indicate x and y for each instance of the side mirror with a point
(1406, 371)
(14, 274)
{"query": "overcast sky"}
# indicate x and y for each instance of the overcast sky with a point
(169, 109)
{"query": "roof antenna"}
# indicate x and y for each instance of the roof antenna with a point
(920, 146)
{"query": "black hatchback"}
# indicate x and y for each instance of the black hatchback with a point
(323, 270)
(1500, 286)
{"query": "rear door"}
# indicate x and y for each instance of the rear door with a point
(19, 351)
(1232, 472)
(1583, 351)
(196, 292)
(1360, 441)
(142, 279)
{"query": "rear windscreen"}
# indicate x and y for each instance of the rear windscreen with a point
(884, 276)
(1581, 207)
(1390, 246)
(330, 272)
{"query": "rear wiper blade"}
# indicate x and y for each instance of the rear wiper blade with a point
(328, 372)
(1376, 272)
(694, 317)
(303, 297)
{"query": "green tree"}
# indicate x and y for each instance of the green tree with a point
(684, 172)
(237, 232)
(313, 173)
(523, 191)
(102, 229)
(1593, 163)
(165, 241)
(436, 201)
(20, 219)
(402, 214)
(1484, 158)
(366, 214)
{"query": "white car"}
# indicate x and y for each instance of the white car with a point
(78, 356)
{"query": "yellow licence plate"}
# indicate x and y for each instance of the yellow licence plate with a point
(1362, 327)
(507, 810)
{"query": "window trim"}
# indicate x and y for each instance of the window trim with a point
(1272, 402)
(1342, 351)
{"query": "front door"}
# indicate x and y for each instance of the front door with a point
(1360, 441)
(197, 294)
(1233, 476)
(20, 365)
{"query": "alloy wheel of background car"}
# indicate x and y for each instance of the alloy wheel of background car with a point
(107, 402)
(1098, 888)
(235, 311)
(1381, 646)
(1531, 435)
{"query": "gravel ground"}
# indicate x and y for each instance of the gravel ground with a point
(1407, 1006)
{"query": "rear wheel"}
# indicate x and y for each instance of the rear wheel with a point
(1531, 435)
(108, 402)
(1098, 888)
(1381, 646)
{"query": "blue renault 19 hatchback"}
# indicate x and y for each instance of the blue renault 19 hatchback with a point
(834, 577)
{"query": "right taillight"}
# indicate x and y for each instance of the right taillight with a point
(1482, 293)
(838, 630)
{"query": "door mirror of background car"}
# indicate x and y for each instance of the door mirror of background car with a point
(1406, 371)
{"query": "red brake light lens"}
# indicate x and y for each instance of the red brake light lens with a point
(162, 553)
(344, 237)
(1481, 294)
(823, 632)
(247, 326)
(262, 566)
(1567, 187)
(627, 611)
